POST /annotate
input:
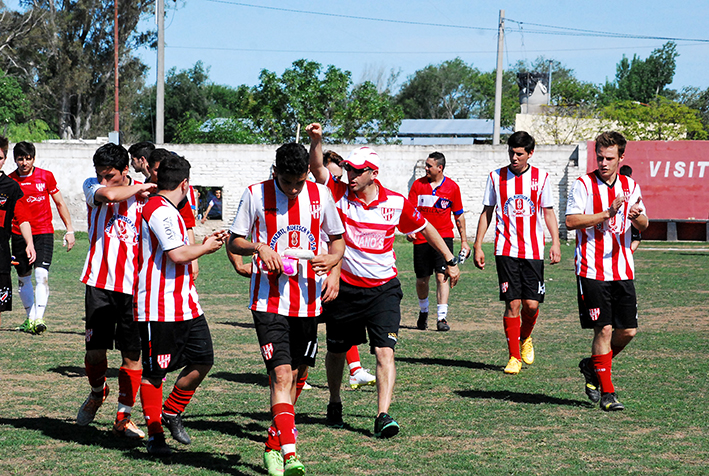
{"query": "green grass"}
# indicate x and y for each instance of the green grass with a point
(459, 413)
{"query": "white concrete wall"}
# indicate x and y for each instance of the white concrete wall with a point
(234, 167)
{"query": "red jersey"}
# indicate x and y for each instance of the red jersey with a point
(268, 216)
(186, 209)
(518, 202)
(164, 291)
(603, 251)
(37, 187)
(437, 204)
(369, 258)
(113, 240)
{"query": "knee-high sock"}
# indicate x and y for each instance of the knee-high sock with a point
(128, 387)
(151, 399)
(528, 323)
(177, 400)
(97, 375)
(299, 384)
(602, 365)
(353, 362)
(26, 291)
(41, 293)
(512, 327)
(284, 421)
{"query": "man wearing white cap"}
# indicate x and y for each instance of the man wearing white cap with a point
(369, 295)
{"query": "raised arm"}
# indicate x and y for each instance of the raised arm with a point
(123, 192)
(319, 171)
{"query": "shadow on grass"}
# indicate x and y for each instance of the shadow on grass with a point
(517, 397)
(249, 378)
(62, 430)
(74, 371)
(450, 363)
(245, 325)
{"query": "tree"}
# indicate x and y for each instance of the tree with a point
(662, 119)
(698, 100)
(13, 102)
(215, 130)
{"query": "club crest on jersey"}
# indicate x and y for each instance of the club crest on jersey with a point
(267, 351)
(504, 286)
(443, 203)
(535, 184)
(387, 213)
(41, 186)
(519, 206)
(294, 239)
(298, 236)
(163, 360)
(595, 313)
(3, 200)
(122, 228)
(315, 209)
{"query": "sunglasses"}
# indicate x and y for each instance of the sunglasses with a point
(349, 168)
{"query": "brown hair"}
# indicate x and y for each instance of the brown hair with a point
(4, 144)
(609, 139)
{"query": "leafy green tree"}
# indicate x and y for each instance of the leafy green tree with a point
(662, 119)
(13, 102)
(698, 100)
(216, 130)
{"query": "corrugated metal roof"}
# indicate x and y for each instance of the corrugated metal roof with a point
(448, 128)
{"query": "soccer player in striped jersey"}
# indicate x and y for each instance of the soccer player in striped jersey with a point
(369, 296)
(603, 207)
(173, 330)
(114, 202)
(285, 217)
(520, 195)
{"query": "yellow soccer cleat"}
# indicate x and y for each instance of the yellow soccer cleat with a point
(513, 366)
(528, 351)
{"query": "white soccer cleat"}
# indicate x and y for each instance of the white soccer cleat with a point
(362, 378)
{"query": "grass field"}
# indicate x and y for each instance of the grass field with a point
(459, 413)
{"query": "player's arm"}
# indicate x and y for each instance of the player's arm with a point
(460, 225)
(578, 221)
(271, 260)
(206, 212)
(123, 192)
(319, 171)
(553, 227)
(331, 285)
(434, 239)
(195, 263)
(237, 261)
(26, 231)
(637, 216)
(187, 253)
(63, 210)
(483, 224)
(322, 264)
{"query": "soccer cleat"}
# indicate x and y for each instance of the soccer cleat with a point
(385, 426)
(528, 351)
(422, 323)
(157, 446)
(273, 460)
(307, 386)
(293, 467)
(513, 366)
(177, 429)
(39, 327)
(127, 428)
(610, 403)
(27, 326)
(592, 386)
(443, 325)
(362, 378)
(88, 409)
(334, 415)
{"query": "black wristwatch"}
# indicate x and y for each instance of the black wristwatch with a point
(452, 262)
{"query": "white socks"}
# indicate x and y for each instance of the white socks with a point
(442, 311)
(423, 305)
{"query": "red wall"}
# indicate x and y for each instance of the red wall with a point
(673, 176)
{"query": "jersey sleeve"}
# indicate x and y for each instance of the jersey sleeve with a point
(91, 186)
(51, 183)
(186, 213)
(489, 195)
(413, 194)
(635, 195)
(547, 199)
(245, 215)
(577, 199)
(331, 223)
(411, 220)
(164, 223)
(457, 202)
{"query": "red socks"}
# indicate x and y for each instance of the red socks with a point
(177, 401)
(284, 421)
(96, 373)
(128, 386)
(352, 357)
(151, 398)
(528, 323)
(602, 366)
(512, 330)
(299, 384)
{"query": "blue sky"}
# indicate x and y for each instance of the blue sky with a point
(237, 41)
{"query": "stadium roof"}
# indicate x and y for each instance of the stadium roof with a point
(446, 131)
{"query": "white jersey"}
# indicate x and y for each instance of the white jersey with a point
(113, 239)
(603, 251)
(267, 215)
(164, 290)
(518, 202)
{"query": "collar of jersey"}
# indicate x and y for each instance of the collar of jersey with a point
(381, 198)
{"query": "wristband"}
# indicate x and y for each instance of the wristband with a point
(69, 233)
(258, 247)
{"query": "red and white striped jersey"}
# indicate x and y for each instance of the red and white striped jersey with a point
(37, 188)
(369, 259)
(186, 208)
(603, 251)
(518, 202)
(268, 216)
(113, 240)
(164, 291)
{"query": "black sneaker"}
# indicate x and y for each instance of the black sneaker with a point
(385, 426)
(334, 415)
(592, 386)
(443, 325)
(157, 446)
(422, 323)
(610, 403)
(177, 429)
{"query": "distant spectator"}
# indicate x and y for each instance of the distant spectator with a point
(214, 209)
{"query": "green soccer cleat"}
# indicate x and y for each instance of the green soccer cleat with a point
(27, 326)
(39, 327)
(273, 460)
(293, 467)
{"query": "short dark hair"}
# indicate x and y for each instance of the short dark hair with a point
(292, 159)
(521, 139)
(23, 149)
(111, 155)
(626, 170)
(330, 156)
(158, 155)
(141, 149)
(439, 158)
(609, 139)
(173, 170)
(4, 144)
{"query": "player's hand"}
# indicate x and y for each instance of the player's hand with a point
(195, 269)
(221, 235)
(555, 253)
(314, 131)
(636, 210)
(270, 259)
(322, 264)
(615, 205)
(452, 273)
(411, 237)
(479, 258)
(146, 189)
(31, 253)
(69, 241)
(213, 242)
(331, 286)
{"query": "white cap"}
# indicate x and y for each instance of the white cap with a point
(363, 157)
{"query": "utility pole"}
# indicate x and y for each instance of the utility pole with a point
(549, 88)
(160, 88)
(498, 79)
(115, 66)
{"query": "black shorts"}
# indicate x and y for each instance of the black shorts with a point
(169, 346)
(359, 311)
(286, 340)
(5, 292)
(109, 319)
(43, 245)
(520, 278)
(427, 259)
(603, 303)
